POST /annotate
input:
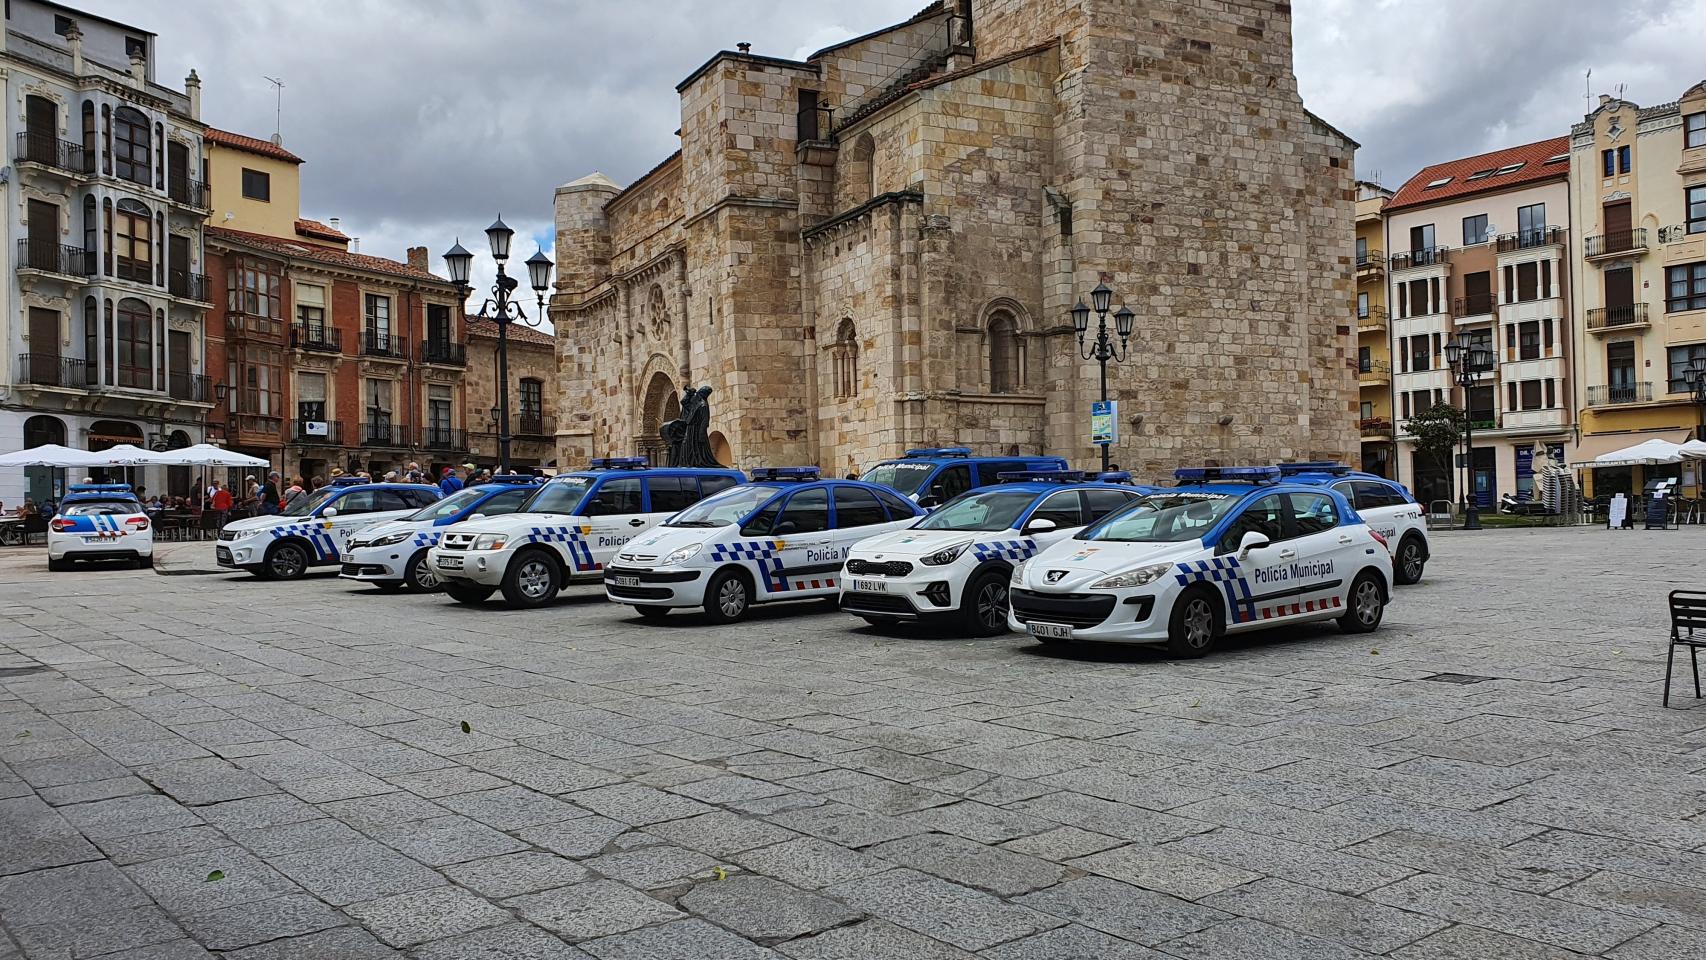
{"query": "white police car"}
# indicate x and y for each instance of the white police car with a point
(1229, 550)
(1386, 505)
(315, 529)
(394, 554)
(780, 537)
(99, 521)
(955, 564)
(931, 476)
(568, 530)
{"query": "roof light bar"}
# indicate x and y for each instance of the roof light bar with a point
(796, 474)
(1041, 476)
(100, 488)
(516, 478)
(347, 482)
(620, 463)
(1333, 467)
(940, 452)
(1114, 476)
(1229, 474)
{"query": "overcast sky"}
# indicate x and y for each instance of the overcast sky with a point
(423, 119)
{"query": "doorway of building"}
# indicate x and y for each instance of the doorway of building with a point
(660, 405)
(1485, 480)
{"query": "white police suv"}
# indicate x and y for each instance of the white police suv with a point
(392, 555)
(99, 521)
(781, 537)
(1386, 505)
(955, 564)
(316, 528)
(568, 530)
(1230, 549)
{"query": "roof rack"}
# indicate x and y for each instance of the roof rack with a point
(619, 463)
(796, 474)
(1114, 476)
(516, 478)
(1333, 467)
(1227, 474)
(1041, 476)
(99, 488)
(939, 452)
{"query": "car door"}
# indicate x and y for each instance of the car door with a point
(1065, 508)
(1245, 581)
(615, 511)
(1316, 554)
(356, 510)
(805, 546)
(1376, 504)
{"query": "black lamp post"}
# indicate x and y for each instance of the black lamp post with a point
(1696, 378)
(1102, 349)
(1467, 362)
(502, 310)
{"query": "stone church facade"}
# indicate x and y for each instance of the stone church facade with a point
(879, 247)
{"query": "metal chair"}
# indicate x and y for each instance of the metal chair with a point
(1687, 629)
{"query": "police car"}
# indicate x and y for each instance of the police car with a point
(1229, 550)
(568, 530)
(392, 555)
(99, 521)
(955, 564)
(316, 528)
(931, 476)
(1387, 505)
(781, 537)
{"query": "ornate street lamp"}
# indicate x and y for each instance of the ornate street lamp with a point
(1695, 374)
(502, 310)
(1102, 348)
(1467, 363)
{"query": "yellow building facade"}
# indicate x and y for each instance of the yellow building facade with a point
(1374, 354)
(255, 184)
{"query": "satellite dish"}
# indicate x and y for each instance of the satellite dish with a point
(1492, 230)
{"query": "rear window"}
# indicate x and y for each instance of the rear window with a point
(100, 508)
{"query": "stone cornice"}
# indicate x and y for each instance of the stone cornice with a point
(836, 225)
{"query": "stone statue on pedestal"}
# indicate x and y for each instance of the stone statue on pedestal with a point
(689, 435)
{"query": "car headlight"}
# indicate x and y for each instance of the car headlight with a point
(1019, 572)
(490, 541)
(386, 540)
(1133, 578)
(682, 555)
(946, 555)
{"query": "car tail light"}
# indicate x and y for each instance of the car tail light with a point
(1377, 537)
(60, 524)
(136, 523)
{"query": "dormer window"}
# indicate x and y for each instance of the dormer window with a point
(135, 47)
(1436, 184)
(1508, 168)
(62, 25)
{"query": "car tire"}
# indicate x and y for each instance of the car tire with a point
(53, 564)
(531, 579)
(651, 613)
(469, 593)
(1196, 623)
(419, 576)
(728, 597)
(983, 605)
(1365, 606)
(1409, 561)
(287, 560)
(145, 563)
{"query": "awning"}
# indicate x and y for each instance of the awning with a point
(1594, 445)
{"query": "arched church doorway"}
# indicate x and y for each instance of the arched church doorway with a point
(660, 404)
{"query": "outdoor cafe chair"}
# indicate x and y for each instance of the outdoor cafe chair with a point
(1687, 629)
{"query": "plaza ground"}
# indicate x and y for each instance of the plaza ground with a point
(196, 764)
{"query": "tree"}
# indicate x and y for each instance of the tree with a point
(1438, 430)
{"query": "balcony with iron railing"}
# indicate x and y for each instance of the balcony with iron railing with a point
(443, 352)
(1374, 318)
(1605, 395)
(1374, 371)
(1472, 305)
(50, 256)
(49, 151)
(1528, 239)
(1622, 243)
(383, 433)
(316, 432)
(443, 438)
(190, 193)
(321, 337)
(53, 370)
(1632, 316)
(381, 343)
(1376, 428)
(189, 387)
(535, 426)
(1371, 266)
(1425, 257)
(186, 285)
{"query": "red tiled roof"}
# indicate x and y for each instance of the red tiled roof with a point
(237, 141)
(1533, 156)
(314, 228)
(518, 333)
(327, 255)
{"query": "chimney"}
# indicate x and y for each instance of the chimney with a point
(192, 86)
(138, 69)
(418, 258)
(74, 37)
(744, 47)
(355, 244)
(1604, 99)
(334, 224)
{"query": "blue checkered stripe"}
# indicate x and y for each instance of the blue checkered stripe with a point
(428, 539)
(1228, 572)
(1014, 550)
(761, 552)
(318, 535)
(573, 539)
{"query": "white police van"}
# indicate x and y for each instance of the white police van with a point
(955, 564)
(568, 530)
(1387, 505)
(1231, 549)
(780, 537)
(393, 555)
(99, 521)
(315, 529)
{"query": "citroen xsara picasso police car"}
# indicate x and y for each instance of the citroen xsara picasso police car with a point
(955, 564)
(394, 554)
(780, 537)
(99, 521)
(316, 528)
(568, 530)
(932, 476)
(1386, 505)
(1231, 549)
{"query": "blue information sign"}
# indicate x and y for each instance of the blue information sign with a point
(1104, 422)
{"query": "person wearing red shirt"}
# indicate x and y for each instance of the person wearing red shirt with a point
(221, 499)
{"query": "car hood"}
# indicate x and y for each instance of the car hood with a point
(912, 544)
(393, 526)
(662, 541)
(514, 523)
(1086, 561)
(257, 524)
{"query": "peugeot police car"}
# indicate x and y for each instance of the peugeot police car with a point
(316, 528)
(781, 537)
(1385, 504)
(568, 530)
(1230, 549)
(99, 521)
(394, 554)
(931, 476)
(955, 564)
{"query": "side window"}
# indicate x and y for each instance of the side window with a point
(1351, 489)
(615, 496)
(1104, 502)
(1313, 513)
(805, 512)
(359, 501)
(424, 497)
(391, 500)
(710, 485)
(898, 509)
(670, 494)
(1263, 517)
(951, 482)
(507, 502)
(988, 473)
(1389, 495)
(763, 521)
(857, 508)
(1063, 508)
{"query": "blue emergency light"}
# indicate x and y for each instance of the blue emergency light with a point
(1331, 467)
(1229, 474)
(1041, 476)
(516, 478)
(620, 463)
(798, 474)
(940, 452)
(100, 488)
(347, 482)
(1114, 476)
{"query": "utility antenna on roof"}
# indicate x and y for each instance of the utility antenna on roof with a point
(277, 109)
(1620, 88)
(1587, 83)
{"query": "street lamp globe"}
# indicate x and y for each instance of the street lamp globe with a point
(1480, 359)
(1101, 298)
(1081, 318)
(1454, 352)
(1123, 321)
(539, 271)
(499, 234)
(457, 260)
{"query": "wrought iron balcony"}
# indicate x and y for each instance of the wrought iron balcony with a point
(1611, 318)
(317, 336)
(1377, 427)
(187, 285)
(1371, 265)
(1603, 395)
(1374, 369)
(1525, 239)
(53, 370)
(190, 193)
(381, 343)
(1472, 305)
(443, 351)
(1425, 257)
(443, 438)
(190, 387)
(1374, 319)
(383, 433)
(1620, 244)
(321, 432)
(50, 151)
(49, 256)
(535, 426)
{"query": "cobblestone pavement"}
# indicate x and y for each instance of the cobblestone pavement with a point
(196, 764)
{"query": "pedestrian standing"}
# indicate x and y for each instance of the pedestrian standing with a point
(220, 502)
(293, 493)
(269, 494)
(449, 483)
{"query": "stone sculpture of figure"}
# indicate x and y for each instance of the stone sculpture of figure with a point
(675, 430)
(696, 439)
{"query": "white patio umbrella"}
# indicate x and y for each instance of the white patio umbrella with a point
(51, 455)
(1694, 449)
(1651, 451)
(206, 455)
(124, 455)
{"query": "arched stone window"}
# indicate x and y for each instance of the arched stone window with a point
(844, 359)
(862, 169)
(1005, 369)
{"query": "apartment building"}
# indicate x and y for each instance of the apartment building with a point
(532, 395)
(101, 313)
(1479, 251)
(1638, 190)
(1374, 352)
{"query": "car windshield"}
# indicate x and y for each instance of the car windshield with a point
(448, 507)
(725, 508)
(1164, 518)
(303, 506)
(904, 477)
(101, 508)
(561, 495)
(999, 510)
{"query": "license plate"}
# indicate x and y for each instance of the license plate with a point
(867, 586)
(101, 538)
(450, 563)
(1053, 631)
(625, 581)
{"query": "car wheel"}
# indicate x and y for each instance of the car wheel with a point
(727, 598)
(469, 593)
(1407, 566)
(1195, 624)
(652, 613)
(286, 561)
(531, 580)
(983, 606)
(1365, 606)
(53, 564)
(419, 575)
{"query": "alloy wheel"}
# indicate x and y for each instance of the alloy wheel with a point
(534, 578)
(1412, 561)
(992, 606)
(1367, 602)
(288, 562)
(425, 577)
(1199, 623)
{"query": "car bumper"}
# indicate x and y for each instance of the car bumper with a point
(484, 567)
(925, 592)
(375, 563)
(655, 586)
(1111, 616)
(73, 546)
(239, 553)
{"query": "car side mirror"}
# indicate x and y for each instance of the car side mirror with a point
(1040, 525)
(786, 526)
(1251, 541)
(476, 516)
(929, 501)
(329, 512)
